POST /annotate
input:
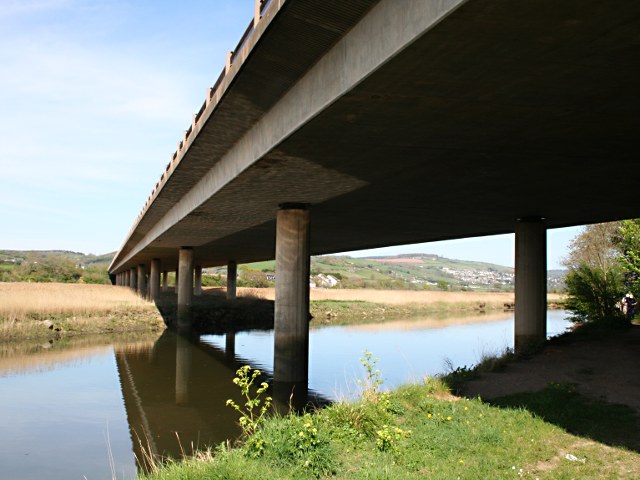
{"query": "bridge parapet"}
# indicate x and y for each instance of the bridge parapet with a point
(264, 12)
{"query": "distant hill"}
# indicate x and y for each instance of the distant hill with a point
(16, 256)
(406, 271)
(413, 271)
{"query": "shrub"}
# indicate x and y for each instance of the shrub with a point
(593, 295)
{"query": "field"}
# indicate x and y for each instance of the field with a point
(39, 309)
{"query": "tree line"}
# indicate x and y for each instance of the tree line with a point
(53, 267)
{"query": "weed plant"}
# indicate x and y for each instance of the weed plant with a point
(251, 413)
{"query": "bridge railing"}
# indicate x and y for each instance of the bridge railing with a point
(261, 7)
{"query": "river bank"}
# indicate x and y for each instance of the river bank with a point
(45, 310)
(553, 431)
(54, 310)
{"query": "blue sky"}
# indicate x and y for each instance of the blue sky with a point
(94, 97)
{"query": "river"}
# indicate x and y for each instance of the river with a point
(94, 408)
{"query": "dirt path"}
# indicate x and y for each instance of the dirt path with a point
(605, 368)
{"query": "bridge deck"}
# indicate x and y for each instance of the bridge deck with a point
(402, 122)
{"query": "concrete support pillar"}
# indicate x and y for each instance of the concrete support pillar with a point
(165, 281)
(197, 286)
(133, 280)
(291, 326)
(118, 279)
(531, 283)
(127, 280)
(184, 287)
(232, 279)
(154, 279)
(142, 280)
(175, 283)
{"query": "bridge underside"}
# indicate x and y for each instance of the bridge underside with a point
(500, 111)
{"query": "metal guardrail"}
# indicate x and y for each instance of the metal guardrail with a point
(261, 6)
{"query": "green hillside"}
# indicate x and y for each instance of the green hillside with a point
(412, 271)
(53, 266)
(409, 271)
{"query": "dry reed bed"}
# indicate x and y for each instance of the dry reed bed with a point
(389, 297)
(19, 301)
(399, 297)
(43, 310)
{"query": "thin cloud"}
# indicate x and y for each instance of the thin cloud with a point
(14, 8)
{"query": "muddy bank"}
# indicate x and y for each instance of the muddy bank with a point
(602, 366)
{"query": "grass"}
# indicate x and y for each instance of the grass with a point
(422, 431)
(561, 405)
(34, 310)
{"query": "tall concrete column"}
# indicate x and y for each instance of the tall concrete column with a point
(133, 274)
(184, 286)
(291, 326)
(127, 281)
(197, 286)
(154, 279)
(165, 281)
(232, 279)
(531, 283)
(142, 280)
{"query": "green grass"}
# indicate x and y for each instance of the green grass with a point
(561, 405)
(420, 431)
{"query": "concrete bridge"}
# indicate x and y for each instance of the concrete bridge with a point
(339, 126)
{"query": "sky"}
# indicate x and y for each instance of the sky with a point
(95, 96)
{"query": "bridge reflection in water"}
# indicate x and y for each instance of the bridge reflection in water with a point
(175, 393)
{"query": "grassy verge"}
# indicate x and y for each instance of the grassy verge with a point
(43, 310)
(421, 431)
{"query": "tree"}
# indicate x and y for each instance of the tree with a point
(628, 243)
(593, 295)
(595, 247)
(595, 278)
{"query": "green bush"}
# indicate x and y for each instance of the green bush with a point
(593, 295)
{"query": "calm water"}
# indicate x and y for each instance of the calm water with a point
(75, 409)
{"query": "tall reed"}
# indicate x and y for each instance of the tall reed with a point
(22, 301)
